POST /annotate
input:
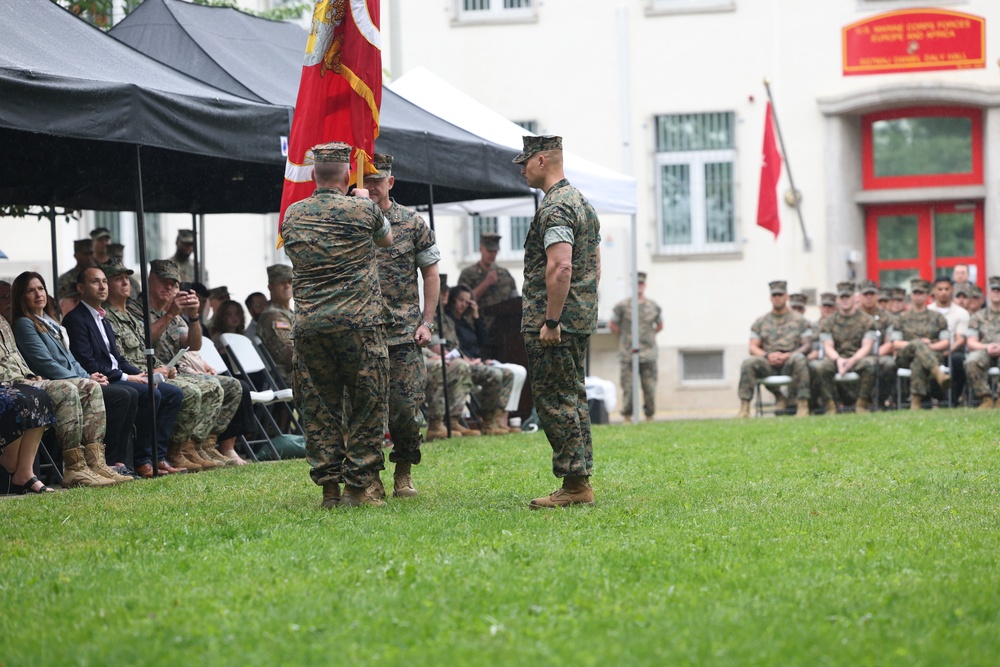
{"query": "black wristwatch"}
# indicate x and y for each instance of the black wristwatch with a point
(552, 324)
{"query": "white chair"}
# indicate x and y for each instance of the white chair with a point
(905, 374)
(850, 377)
(771, 382)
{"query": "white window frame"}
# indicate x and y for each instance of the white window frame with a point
(696, 161)
(507, 252)
(703, 382)
(495, 13)
(688, 6)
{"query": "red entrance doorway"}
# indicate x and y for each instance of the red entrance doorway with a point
(926, 240)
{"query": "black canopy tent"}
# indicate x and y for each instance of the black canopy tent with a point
(261, 60)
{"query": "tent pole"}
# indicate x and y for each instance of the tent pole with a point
(55, 254)
(140, 226)
(199, 257)
(440, 323)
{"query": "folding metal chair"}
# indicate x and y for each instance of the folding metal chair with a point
(771, 382)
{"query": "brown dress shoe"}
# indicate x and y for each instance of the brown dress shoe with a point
(145, 471)
(166, 469)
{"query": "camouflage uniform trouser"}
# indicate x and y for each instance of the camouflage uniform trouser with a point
(459, 388)
(496, 384)
(406, 394)
(845, 392)
(199, 409)
(343, 369)
(647, 380)
(79, 410)
(232, 394)
(886, 378)
(756, 368)
(977, 366)
(921, 360)
(557, 373)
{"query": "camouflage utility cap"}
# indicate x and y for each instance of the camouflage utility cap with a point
(164, 269)
(116, 250)
(533, 144)
(898, 294)
(83, 247)
(100, 233)
(778, 287)
(975, 291)
(278, 273)
(489, 240)
(185, 236)
(332, 152)
(384, 165)
(994, 282)
(640, 277)
(846, 288)
(220, 293)
(961, 289)
(920, 285)
(114, 267)
(868, 287)
(798, 299)
(885, 294)
(828, 299)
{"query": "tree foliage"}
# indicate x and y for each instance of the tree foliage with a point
(103, 12)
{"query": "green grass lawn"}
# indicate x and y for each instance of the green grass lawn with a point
(855, 540)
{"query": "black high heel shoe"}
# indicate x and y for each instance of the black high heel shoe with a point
(28, 487)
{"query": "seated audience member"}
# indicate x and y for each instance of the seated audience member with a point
(984, 346)
(5, 300)
(174, 315)
(92, 342)
(212, 302)
(40, 340)
(496, 383)
(274, 326)
(976, 299)
(256, 304)
(202, 400)
(958, 329)
(78, 407)
(910, 335)
(848, 336)
(25, 413)
(118, 250)
(472, 337)
(229, 319)
(459, 389)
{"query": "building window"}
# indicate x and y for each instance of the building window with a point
(512, 229)
(701, 366)
(495, 10)
(111, 221)
(695, 183)
(529, 125)
(689, 6)
(922, 147)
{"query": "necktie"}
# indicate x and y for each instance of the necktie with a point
(102, 312)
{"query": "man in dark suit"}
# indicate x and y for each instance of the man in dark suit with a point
(92, 341)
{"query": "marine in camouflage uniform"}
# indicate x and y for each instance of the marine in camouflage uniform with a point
(848, 336)
(477, 276)
(78, 405)
(909, 337)
(274, 326)
(183, 258)
(871, 304)
(459, 387)
(780, 331)
(495, 383)
(413, 249)
(339, 328)
(650, 323)
(984, 346)
(83, 252)
(565, 228)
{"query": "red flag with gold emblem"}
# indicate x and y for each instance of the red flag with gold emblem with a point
(340, 92)
(770, 172)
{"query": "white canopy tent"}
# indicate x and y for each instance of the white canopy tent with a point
(610, 192)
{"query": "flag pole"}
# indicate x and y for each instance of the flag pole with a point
(788, 168)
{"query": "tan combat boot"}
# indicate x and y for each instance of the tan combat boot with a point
(628, 419)
(803, 408)
(744, 412)
(456, 427)
(177, 458)
(76, 472)
(93, 454)
(210, 450)
(943, 379)
(575, 491)
(402, 481)
(355, 496)
(831, 408)
(916, 402)
(986, 402)
(780, 404)
(331, 495)
(190, 450)
(862, 406)
(377, 490)
(492, 426)
(435, 431)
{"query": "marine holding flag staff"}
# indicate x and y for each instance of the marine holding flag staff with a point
(339, 329)
(562, 267)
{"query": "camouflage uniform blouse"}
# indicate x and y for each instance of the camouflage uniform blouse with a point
(274, 328)
(985, 324)
(330, 239)
(12, 365)
(130, 335)
(650, 316)
(883, 322)
(847, 332)
(413, 248)
(504, 288)
(780, 333)
(564, 216)
(169, 343)
(913, 325)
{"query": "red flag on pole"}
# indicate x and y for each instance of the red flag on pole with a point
(340, 92)
(770, 172)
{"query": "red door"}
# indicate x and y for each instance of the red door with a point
(924, 240)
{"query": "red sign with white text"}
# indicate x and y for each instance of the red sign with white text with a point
(914, 41)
